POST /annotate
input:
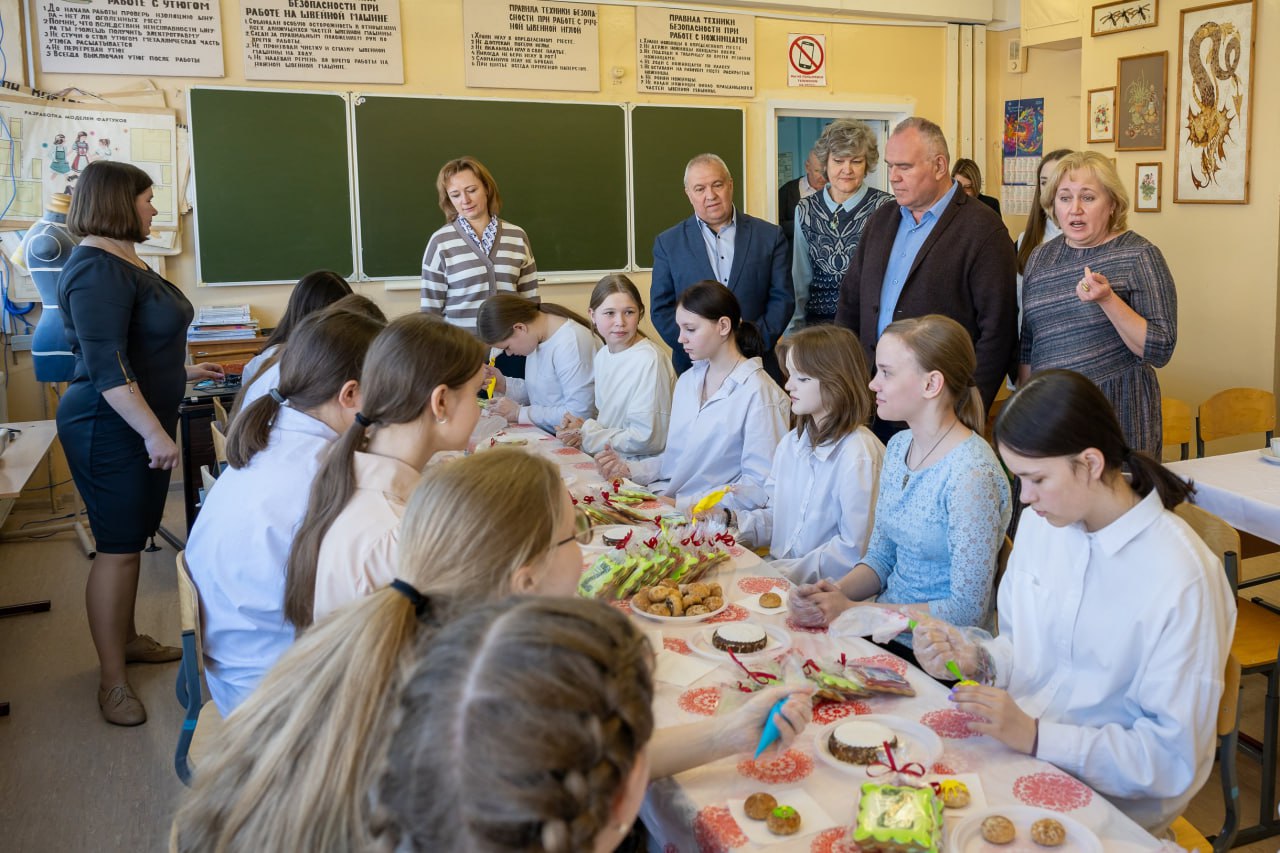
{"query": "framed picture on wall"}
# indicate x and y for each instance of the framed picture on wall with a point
(1141, 101)
(1121, 17)
(1215, 104)
(1146, 188)
(1102, 115)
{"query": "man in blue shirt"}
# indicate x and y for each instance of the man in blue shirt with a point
(937, 251)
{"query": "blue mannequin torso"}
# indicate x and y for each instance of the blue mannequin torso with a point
(44, 252)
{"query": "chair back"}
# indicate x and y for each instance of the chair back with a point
(1222, 538)
(220, 416)
(1002, 560)
(219, 446)
(1236, 411)
(1179, 425)
(190, 688)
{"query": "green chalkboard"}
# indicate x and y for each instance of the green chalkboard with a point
(273, 184)
(561, 169)
(663, 140)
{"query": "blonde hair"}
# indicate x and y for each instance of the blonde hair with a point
(833, 356)
(1100, 167)
(940, 343)
(846, 137)
(296, 762)
(467, 164)
(519, 728)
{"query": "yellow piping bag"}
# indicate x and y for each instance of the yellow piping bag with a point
(710, 500)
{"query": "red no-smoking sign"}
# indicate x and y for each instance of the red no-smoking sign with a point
(807, 60)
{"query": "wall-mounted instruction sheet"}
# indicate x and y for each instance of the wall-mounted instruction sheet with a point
(532, 44)
(44, 146)
(181, 38)
(339, 41)
(695, 53)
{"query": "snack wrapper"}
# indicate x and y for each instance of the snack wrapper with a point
(879, 623)
(678, 552)
(896, 819)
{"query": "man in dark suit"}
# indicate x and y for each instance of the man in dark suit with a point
(719, 243)
(937, 251)
(790, 194)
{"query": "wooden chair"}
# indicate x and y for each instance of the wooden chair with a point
(220, 416)
(1187, 836)
(1236, 411)
(191, 689)
(219, 446)
(989, 425)
(1179, 426)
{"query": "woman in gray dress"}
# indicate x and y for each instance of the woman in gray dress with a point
(1099, 299)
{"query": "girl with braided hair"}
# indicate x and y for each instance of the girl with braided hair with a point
(297, 762)
(562, 690)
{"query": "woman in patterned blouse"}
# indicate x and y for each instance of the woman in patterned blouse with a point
(1099, 299)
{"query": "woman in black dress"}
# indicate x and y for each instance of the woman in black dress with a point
(127, 327)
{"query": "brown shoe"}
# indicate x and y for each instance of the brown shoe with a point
(121, 706)
(144, 649)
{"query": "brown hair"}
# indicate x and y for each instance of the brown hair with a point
(557, 692)
(463, 164)
(1033, 231)
(413, 356)
(970, 171)
(940, 343)
(326, 351)
(616, 283)
(498, 315)
(315, 290)
(833, 356)
(298, 759)
(105, 203)
(1101, 168)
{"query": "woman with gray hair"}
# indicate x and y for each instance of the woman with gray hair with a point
(829, 224)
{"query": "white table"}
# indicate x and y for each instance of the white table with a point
(17, 464)
(1242, 488)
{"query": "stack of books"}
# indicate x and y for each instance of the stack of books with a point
(223, 323)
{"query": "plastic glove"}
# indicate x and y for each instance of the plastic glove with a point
(935, 642)
(879, 623)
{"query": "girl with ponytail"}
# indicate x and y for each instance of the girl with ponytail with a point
(418, 397)
(943, 501)
(298, 761)
(1115, 618)
(240, 543)
(727, 414)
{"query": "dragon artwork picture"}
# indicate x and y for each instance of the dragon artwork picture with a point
(1215, 77)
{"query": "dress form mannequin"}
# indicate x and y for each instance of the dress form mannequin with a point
(44, 251)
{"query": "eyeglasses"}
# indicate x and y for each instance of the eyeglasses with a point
(581, 529)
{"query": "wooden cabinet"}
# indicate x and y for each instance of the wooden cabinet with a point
(228, 351)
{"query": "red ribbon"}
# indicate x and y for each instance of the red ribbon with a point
(757, 677)
(651, 542)
(622, 546)
(890, 765)
(587, 499)
(617, 486)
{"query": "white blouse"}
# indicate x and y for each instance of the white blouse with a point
(633, 397)
(558, 378)
(238, 550)
(729, 440)
(1117, 640)
(821, 505)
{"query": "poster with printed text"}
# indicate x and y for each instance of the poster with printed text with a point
(336, 41)
(1024, 127)
(695, 52)
(44, 146)
(177, 38)
(532, 44)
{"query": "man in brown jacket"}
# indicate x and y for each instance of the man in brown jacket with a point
(937, 251)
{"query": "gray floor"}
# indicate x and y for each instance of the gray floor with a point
(69, 782)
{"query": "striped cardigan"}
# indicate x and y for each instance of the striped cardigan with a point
(456, 277)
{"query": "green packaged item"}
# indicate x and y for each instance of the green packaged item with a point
(894, 819)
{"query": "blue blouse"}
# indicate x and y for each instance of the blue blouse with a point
(937, 535)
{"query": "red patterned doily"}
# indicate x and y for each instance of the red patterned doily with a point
(737, 551)
(732, 613)
(650, 505)
(886, 661)
(583, 466)
(829, 712)
(791, 766)
(951, 723)
(758, 586)
(677, 645)
(834, 840)
(1056, 791)
(953, 762)
(567, 451)
(715, 830)
(622, 604)
(700, 700)
(794, 626)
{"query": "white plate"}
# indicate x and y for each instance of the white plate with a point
(700, 643)
(916, 742)
(1268, 456)
(967, 837)
(687, 620)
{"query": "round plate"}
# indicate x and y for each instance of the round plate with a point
(916, 742)
(967, 836)
(1268, 456)
(688, 620)
(700, 643)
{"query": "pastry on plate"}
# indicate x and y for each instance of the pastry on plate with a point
(954, 793)
(860, 742)
(784, 820)
(998, 829)
(1048, 832)
(740, 638)
(759, 805)
(770, 600)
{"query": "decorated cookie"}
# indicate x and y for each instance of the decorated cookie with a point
(784, 820)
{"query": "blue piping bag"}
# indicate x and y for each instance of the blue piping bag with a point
(770, 733)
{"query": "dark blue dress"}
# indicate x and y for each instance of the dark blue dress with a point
(124, 324)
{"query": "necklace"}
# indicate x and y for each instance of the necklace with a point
(906, 462)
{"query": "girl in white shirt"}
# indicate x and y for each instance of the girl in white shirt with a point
(727, 417)
(633, 380)
(821, 493)
(1115, 618)
(419, 396)
(240, 543)
(560, 348)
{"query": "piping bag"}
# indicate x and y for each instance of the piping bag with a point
(770, 733)
(709, 500)
(493, 380)
(952, 666)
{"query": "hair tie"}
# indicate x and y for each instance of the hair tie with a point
(1126, 451)
(277, 396)
(364, 421)
(417, 599)
(973, 383)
